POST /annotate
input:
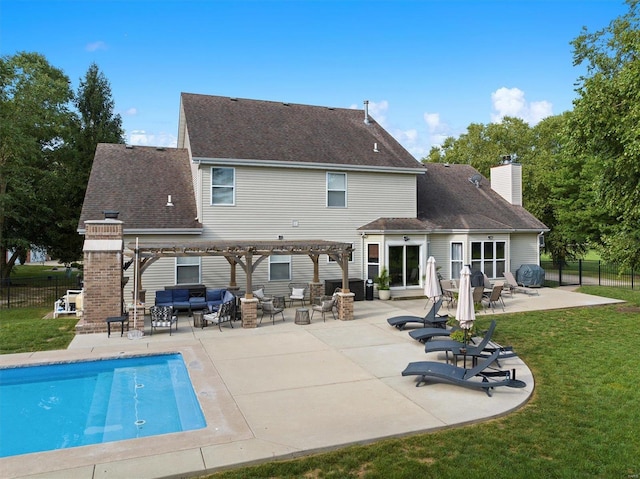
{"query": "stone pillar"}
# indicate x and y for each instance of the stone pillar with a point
(345, 306)
(249, 312)
(103, 247)
(316, 290)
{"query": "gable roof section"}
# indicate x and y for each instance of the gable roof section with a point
(230, 128)
(448, 200)
(136, 181)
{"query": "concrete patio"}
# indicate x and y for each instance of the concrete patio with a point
(285, 390)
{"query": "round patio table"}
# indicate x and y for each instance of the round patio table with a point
(302, 316)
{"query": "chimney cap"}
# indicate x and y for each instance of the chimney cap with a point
(110, 214)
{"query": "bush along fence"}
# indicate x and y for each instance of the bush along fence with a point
(586, 272)
(35, 292)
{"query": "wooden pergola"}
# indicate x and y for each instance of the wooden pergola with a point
(248, 255)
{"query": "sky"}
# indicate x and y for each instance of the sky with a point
(429, 68)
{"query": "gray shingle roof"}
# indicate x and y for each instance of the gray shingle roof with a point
(447, 201)
(136, 182)
(223, 127)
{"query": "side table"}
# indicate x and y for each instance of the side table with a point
(117, 319)
(302, 316)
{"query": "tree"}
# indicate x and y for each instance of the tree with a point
(34, 116)
(604, 129)
(95, 123)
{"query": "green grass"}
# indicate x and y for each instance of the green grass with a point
(582, 420)
(23, 330)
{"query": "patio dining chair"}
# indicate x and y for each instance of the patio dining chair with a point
(494, 297)
(163, 317)
(298, 293)
(269, 308)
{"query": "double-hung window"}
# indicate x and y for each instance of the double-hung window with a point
(456, 260)
(279, 267)
(337, 190)
(187, 270)
(223, 186)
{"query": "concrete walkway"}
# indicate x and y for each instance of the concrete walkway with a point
(285, 390)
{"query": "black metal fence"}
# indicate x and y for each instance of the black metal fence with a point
(587, 272)
(35, 292)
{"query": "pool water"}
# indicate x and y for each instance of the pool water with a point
(74, 404)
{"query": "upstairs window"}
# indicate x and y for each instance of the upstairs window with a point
(337, 190)
(187, 270)
(279, 267)
(223, 186)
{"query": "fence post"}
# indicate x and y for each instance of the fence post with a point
(580, 272)
(560, 273)
(599, 273)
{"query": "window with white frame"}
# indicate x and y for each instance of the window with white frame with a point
(456, 260)
(187, 270)
(337, 190)
(489, 257)
(373, 260)
(223, 185)
(279, 267)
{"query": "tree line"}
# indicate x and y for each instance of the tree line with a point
(48, 138)
(581, 169)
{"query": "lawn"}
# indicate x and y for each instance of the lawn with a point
(582, 420)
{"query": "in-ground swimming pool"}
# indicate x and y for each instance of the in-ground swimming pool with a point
(64, 405)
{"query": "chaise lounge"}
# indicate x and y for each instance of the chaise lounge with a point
(478, 377)
(429, 320)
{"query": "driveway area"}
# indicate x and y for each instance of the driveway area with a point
(284, 390)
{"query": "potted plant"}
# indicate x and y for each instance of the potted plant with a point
(382, 281)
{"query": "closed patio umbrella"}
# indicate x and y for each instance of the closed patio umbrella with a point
(465, 312)
(431, 284)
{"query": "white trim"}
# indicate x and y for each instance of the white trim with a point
(102, 245)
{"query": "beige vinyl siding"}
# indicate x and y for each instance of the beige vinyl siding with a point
(267, 202)
(524, 250)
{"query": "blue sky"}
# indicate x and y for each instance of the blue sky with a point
(429, 68)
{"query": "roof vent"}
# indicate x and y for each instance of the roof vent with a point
(110, 214)
(169, 202)
(375, 148)
(129, 146)
(475, 179)
(366, 112)
(233, 99)
(160, 148)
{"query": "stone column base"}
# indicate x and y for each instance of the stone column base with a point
(249, 312)
(345, 306)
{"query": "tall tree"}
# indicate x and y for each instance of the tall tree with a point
(604, 128)
(96, 123)
(34, 115)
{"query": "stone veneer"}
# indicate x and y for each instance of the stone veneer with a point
(103, 247)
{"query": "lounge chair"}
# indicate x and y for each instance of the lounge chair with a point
(427, 334)
(478, 377)
(429, 320)
(481, 350)
(513, 285)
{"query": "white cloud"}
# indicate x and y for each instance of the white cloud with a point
(142, 138)
(512, 102)
(92, 47)
(131, 111)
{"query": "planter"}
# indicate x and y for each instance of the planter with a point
(384, 294)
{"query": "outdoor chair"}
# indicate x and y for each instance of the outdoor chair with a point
(478, 377)
(269, 308)
(225, 313)
(494, 297)
(478, 295)
(163, 317)
(449, 296)
(429, 320)
(298, 293)
(327, 304)
(259, 294)
(513, 285)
